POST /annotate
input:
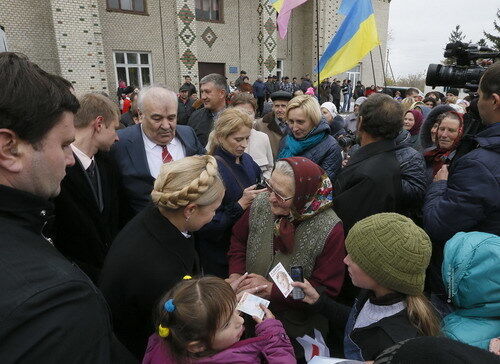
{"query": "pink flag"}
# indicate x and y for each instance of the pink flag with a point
(284, 15)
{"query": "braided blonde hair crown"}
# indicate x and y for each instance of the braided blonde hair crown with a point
(189, 180)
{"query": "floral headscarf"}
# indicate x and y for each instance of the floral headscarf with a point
(313, 194)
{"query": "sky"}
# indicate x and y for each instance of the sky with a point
(419, 29)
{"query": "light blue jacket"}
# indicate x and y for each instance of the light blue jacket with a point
(471, 275)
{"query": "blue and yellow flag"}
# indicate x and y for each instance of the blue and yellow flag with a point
(277, 4)
(354, 39)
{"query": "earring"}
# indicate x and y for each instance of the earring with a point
(187, 218)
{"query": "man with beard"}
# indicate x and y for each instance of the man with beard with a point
(50, 312)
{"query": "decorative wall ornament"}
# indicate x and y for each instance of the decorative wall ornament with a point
(186, 28)
(267, 36)
(209, 37)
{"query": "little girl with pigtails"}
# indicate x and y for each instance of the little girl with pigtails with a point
(197, 322)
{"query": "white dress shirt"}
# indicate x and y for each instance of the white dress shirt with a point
(154, 153)
(84, 159)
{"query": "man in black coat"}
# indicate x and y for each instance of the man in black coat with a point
(213, 94)
(185, 106)
(143, 148)
(87, 207)
(371, 181)
(50, 312)
(187, 83)
(239, 80)
(335, 90)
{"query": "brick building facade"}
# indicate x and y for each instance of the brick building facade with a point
(93, 43)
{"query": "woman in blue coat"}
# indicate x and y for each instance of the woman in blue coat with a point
(471, 275)
(227, 143)
(309, 136)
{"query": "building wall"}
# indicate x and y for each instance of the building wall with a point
(233, 41)
(175, 40)
(31, 32)
(78, 40)
(381, 8)
(143, 33)
(299, 49)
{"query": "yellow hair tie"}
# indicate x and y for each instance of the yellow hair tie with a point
(163, 331)
(187, 277)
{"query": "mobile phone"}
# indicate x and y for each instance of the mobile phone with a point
(261, 184)
(297, 274)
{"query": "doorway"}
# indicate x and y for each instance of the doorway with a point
(205, 68)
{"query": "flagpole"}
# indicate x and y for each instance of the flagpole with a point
(317, 41)
(373, 70)
(382, 63)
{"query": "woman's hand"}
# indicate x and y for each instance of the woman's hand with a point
(267, 314)
(253, 290)
(254, 280)
(248, 196)
(311, 295)
(235, 279)
(442, 174)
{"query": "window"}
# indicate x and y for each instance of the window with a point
(209, 10)
(354, 74)
(3, 40)
(134, 68)
(279, 69)
(131, 6)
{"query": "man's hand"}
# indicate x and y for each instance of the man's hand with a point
(254, 280)
(442, 174)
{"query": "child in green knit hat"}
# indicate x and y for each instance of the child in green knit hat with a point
(387, 257)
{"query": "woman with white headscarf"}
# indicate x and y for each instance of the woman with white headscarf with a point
(336, 122)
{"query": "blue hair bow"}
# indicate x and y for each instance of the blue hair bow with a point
(169, 305)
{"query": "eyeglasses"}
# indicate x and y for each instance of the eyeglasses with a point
(280, 198)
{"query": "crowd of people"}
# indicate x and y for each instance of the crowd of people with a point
(130, 232)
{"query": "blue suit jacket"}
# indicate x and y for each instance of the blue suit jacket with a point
(136, 180)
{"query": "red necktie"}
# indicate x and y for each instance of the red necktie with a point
(165, 154)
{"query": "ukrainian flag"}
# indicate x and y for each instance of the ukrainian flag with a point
(277, 4)
(355, 38)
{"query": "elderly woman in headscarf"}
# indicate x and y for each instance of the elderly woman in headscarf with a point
(449, 133)
(336, 122)
(429, 127)
(309, 136)
(412, 122)
(292, 224)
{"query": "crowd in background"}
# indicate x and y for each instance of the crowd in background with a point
(130, 232)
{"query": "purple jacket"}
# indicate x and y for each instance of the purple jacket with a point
(271, 345)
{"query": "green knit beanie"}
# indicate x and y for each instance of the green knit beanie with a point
(392, 250)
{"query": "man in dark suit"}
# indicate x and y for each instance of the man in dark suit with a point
(87, 207)
(143, 148)
(213, 94)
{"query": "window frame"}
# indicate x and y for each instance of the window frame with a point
(136, 12)
(127, 65)
(354, 74)
(221, 13)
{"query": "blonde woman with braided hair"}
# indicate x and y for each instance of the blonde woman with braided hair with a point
(156, 248)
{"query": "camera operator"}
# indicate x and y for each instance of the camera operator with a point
(467, 197)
